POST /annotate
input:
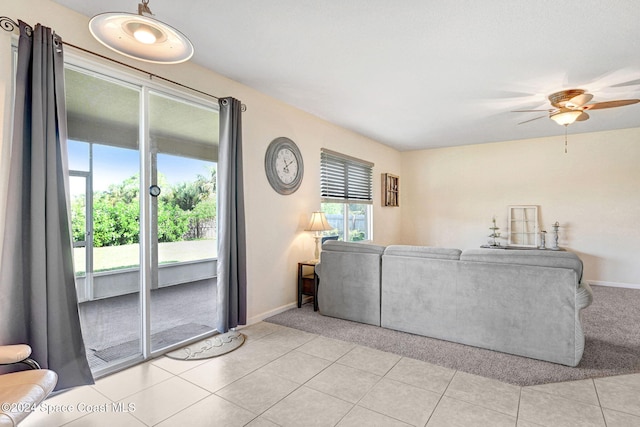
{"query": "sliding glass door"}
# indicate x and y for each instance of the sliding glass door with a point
(183, 227)
(145, 263)
(104, 167)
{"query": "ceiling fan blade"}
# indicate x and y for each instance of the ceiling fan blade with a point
(579, 100)
(611, 104)
(582, 117)
(629, 83)
(530, 120)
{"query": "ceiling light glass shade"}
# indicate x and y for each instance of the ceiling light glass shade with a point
(565, 117)
(141, 37)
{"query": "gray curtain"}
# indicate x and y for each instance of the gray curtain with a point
(232, 276)
(38, 302)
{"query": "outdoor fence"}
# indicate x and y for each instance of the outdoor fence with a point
(356, 222)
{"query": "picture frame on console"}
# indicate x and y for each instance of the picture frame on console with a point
(523, 226)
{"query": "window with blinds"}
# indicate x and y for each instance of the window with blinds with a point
(347, 195)
(345, 179)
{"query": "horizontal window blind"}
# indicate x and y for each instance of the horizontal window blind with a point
(345, 179)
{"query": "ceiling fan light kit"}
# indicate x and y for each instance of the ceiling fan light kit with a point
(565, 116)
(570, 105)
(139, 36)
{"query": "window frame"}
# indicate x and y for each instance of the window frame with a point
(354, 187)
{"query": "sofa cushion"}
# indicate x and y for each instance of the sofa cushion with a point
(534, 257)
(423, 252)
(340, 246)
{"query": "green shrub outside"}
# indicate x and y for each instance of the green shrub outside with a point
(116, 213)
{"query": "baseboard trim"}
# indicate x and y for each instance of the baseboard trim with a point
(613, 284)
(262, 316)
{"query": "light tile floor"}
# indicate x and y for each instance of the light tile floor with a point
(286, 377)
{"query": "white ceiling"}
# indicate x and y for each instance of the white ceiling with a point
(416, 74)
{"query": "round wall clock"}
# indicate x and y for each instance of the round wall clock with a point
(283, 165)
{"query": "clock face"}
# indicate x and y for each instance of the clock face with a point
(286, 166)
(283, 165)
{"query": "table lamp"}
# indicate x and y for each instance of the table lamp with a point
(318, 224)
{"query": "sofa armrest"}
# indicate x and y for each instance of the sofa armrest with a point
(349, 286)
(584, 296)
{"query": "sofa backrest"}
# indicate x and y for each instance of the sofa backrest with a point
(533, 257)
(340, 246)
(423, 252)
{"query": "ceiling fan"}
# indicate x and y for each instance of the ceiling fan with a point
(570, 105)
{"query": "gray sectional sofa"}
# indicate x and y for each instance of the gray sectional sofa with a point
(523, 302)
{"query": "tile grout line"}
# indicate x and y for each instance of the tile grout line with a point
(93, 386)
(441, 396)
(478, 405)
(310, 388)
(578, 402)
(336, 362)
(368, 391)
(279, 357)
(519, 402)
(599, 402)
(234, 381)
(182, 410)
(209, 394)
(303, 384)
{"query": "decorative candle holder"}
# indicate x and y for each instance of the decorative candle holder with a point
(494, 234)
(543, 234)
(555, 227)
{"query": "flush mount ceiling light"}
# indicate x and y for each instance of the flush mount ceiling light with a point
(141, 37)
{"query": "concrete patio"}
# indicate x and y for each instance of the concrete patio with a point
(111, 326)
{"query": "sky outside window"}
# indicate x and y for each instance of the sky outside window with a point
(115, 164)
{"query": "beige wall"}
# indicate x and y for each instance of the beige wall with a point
(275, 223)
(593, 191)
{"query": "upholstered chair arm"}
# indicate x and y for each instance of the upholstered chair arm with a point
(18, 353)
(22, 391)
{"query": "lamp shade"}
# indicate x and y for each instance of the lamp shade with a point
(318, 222)
(141, 37)
(565, 116)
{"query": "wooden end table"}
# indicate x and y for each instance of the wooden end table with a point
(308, 282)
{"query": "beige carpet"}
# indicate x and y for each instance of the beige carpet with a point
(611, 326)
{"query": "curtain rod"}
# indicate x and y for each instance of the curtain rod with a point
(10, 25)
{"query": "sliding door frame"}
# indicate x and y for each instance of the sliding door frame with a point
(148, 232)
